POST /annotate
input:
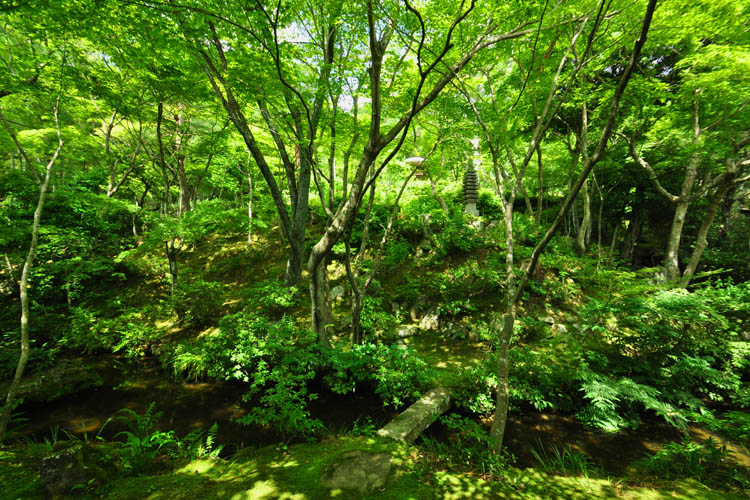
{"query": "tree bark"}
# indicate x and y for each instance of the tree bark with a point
(27, 266)
(584, 228)
(515, 293)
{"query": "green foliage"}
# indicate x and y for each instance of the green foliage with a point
(564, 461)
(543, 378)
(468, 448)
(271, 297)
(474, 387)
(664, 350)
(128, 332)
(397, 252)
(40, 358)
(364, 426)
(143, 443)
(189, 360)
(455, 236)
(395, 373)
(611, 398)
(197, 302)
(707, 462)
(146, 449)
(278, 360)
(376, 322)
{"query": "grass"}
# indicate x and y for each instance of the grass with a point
(294, 473)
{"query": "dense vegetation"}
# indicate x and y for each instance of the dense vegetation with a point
(544, 207)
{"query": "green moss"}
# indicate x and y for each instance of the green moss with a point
(18, 480)
(294, 473)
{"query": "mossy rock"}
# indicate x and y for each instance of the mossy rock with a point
(67, 377)
(77, 467)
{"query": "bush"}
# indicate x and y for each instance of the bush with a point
(705, 462)
(395, 373)
(271, 297)
(198, 302)
(468, 447)
(278, 360)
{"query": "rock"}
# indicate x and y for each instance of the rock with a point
(415, 419)
(359, 470)
(546, 318)
(406, 331)
(336, 292)
(456, 330)
(430, 321)
(559, 328)
(66, 377)
(79, 464)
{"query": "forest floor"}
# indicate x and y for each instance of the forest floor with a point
(255, 465)
(295, 472)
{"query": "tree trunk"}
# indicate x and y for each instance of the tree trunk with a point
(181, 177)
(321, 303)
(24, 286)
(584, 228)
(713, 207)
(514, 291)
(497, 432)
(540, 199)
(173, 249)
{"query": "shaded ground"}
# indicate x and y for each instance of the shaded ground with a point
(185, 406)
(295, 474)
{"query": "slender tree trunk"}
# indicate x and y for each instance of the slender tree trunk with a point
(505, 334)
(27, 266)
(173, 248)
(583, 229)
(249, 207)
(181, 177)
(515, 291)
(540, 199)
(713, 207)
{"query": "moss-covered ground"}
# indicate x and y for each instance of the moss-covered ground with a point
(295, 472)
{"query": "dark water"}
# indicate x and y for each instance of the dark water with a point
(187, 406)
(184, 406)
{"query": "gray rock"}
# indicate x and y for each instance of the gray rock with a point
(559, 328)
(547, 318)
(77, 465)
(430, 321)
(415, 419)
(359, 470)
(336, 292)
(406, 331)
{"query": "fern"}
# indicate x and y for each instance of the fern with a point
(608, 396)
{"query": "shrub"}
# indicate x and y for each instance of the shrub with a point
(706, 462)
(376, 322)
(271, 297)
(278, 360)
(198, 302)
(395, 373)
(468, 447)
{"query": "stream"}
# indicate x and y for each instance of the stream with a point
(186, 406)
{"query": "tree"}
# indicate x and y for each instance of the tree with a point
(43, 183)
(696, 123)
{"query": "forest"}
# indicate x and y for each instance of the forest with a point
(374, 249)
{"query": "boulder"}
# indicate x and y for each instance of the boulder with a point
(336, 292)
(79, 465)
(359, 470)
(415, 419)
(430, 321)
(406, 331)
